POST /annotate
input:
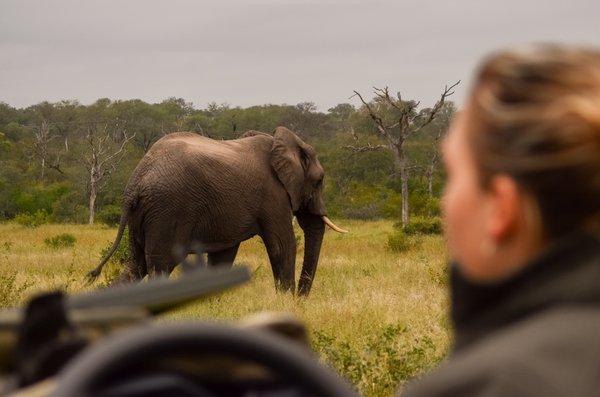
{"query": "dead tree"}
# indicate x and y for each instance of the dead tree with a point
(43, 138)
(102, 157)
(408, 122)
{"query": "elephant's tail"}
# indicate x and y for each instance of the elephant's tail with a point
(93, 275)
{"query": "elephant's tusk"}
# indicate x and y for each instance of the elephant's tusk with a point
(333, 226)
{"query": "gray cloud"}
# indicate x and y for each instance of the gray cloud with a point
(255, 52)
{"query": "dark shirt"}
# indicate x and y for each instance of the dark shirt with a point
(535, 334)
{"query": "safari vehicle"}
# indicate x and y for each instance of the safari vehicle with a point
(104, 343)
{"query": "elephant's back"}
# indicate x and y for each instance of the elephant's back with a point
(201, 172)
(197, 147)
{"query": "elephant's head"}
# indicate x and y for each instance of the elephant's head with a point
(301, 173)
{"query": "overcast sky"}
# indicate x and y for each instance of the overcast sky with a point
(270, 51)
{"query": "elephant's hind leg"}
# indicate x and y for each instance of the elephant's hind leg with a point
(224, 257)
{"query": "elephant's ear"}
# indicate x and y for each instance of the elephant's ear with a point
(287, 161)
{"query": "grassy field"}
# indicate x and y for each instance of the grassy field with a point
(378, 317)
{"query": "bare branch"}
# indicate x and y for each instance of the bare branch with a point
(378, 121)
(118, 152)
(385, 95)
(433, 112)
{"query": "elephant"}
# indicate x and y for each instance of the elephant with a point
(192, 190)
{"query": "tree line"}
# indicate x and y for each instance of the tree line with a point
(69, 162)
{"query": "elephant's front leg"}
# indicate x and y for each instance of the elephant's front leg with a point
(280, 242)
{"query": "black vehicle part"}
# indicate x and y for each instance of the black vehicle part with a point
(163, 294)
(46, 340)
(127, 302)
(94, 369)
(158, 385)
(49, 331)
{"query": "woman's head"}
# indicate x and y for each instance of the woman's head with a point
(523, 158)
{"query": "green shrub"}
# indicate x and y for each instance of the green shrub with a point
(36, 219)
(67, 209)
(392, 206)
(38, 197)
(110, 215)
(5, 144)
(386, 360)
(60, 241)
(398, 241)
(433, 207)
(422, 225)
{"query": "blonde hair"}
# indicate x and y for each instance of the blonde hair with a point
(535, 115)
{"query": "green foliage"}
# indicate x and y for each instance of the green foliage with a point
(360, 185)
(391, 207)
(422, 204)
(433, 207)
(38, 197)
(5, 144)
(68, 209)
(110, 215)
(36, 219)
(398, 241)
(14, 131)
(421, 225)
(385, 361)
(363, 201)
(63, 240)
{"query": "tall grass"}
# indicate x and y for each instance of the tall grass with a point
(376, 316)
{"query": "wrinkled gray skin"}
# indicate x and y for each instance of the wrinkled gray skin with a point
(191, 189)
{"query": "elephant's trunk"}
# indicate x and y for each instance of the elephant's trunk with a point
(314, 228)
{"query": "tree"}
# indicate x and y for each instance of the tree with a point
(147, 122)
(102, 157)
(340, 116)
(41, 148)
(44, 129)
(442, 121)
(395, 121)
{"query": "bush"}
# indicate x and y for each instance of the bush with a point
(422, 225)
(60, 241)
(110, 215)
(433, 207)
(67, 209)
(398, 241)
(33, 198)
(386, 360)
(36, 219)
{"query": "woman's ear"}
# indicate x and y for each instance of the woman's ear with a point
(287, 161)
(507, 210)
